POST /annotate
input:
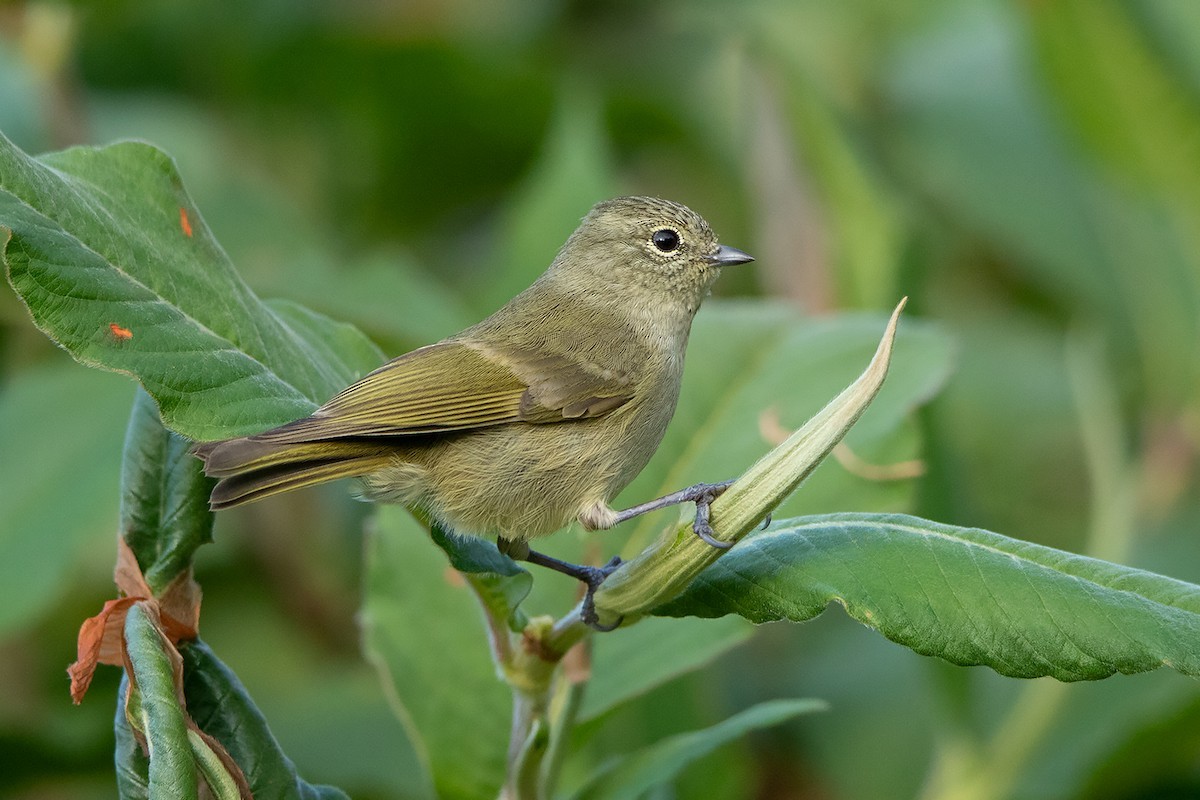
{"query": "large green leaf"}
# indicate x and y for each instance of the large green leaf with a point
(117, 266)
(424, 631)
(632, 776)
(966, 595)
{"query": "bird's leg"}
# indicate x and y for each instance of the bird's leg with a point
(702, 494)
(592, 577)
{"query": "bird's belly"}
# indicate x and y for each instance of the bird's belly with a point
(522, 481)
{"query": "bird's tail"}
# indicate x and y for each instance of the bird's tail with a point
(250, 469)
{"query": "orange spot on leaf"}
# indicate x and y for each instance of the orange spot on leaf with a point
(184, 222)
(119, 332)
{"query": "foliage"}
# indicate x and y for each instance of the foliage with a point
(1023, 173)
(969, 596)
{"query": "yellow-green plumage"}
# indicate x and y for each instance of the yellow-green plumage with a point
(536, 416)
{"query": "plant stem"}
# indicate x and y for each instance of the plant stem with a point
(566, 633)
(545, 700)
(564, 708)
(530, 671)
(527, 744)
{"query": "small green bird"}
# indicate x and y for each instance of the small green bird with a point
(535, 417)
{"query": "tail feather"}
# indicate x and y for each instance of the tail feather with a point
(236, 456)
(250, 470)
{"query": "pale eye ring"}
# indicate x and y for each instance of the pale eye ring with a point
(665, 240)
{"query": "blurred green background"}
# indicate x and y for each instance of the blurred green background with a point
(1028, 173)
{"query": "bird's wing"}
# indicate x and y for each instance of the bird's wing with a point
(453, 386)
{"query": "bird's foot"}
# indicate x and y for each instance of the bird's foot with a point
(593, 578)
(702, 494)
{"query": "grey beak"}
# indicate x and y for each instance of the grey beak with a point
(727, 256)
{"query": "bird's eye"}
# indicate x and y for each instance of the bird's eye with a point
(665, 239)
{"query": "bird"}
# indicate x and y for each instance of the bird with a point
(534, 418)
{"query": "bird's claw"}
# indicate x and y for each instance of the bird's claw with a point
(595, 576)
(701, 528)
(702, 494)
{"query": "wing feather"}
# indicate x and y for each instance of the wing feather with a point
(456, 385)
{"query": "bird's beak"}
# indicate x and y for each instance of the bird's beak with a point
(727, 256)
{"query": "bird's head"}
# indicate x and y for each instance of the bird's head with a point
(646, 250)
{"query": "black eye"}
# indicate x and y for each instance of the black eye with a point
(665, 239)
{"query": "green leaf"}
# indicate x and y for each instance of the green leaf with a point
(423, 629)
(280, 251)
(966, 595)
(164, 497)
(634, 775)
(500, 584)
(133, 767)
(163, 723)
(102, 257)
(221, 784)
(220, 705)
(58, 483)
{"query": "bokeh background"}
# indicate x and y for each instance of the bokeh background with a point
(1028, 173)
